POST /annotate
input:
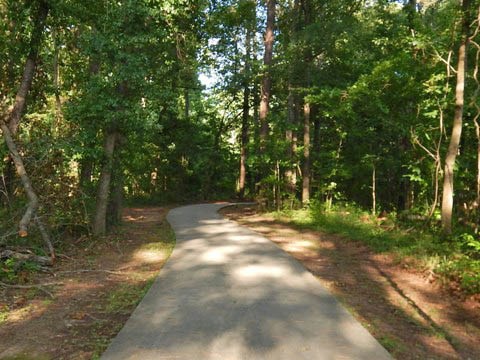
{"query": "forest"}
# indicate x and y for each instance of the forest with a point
(361, 109)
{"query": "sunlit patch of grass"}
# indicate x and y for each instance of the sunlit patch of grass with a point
(4, 312)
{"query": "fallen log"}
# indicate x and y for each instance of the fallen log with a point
(10, 254)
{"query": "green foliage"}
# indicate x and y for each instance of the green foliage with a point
(375, 74)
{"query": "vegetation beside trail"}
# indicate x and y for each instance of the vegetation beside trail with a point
(408, 240)
(98, 284)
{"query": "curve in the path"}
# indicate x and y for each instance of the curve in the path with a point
(227, 293)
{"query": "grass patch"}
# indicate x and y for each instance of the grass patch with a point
(393, 345)
(445, 258)
(127, 297)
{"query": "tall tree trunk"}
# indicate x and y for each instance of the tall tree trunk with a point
(30, 66)
(116, 201)
(9, 129)
(99, 226)
(267, 77)
(316, 139)
(290, 170)
(374, 191)
(308, 14)
(306, 155)
(447, 199)
(27, 184)
(245, 116)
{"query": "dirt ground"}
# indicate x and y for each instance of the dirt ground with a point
(97, 284)
(403, 307)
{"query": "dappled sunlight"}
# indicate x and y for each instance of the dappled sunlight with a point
(21, 313)
(220, 254)
(149, 256)
(258, 273)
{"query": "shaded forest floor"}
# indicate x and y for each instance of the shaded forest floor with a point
(410, 313)
(98, 284)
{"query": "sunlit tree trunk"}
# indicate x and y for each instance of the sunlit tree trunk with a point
(267, 77)
(245, 116)
(447, 199)
(290, 133)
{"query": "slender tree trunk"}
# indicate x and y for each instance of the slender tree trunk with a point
(30, 66)
(374, 191)
(448, 188)
(477, 133)
(9, 130)
(306, 155)
(116, 202)
(290, 170)
(255, 173)
(290, 133)
(99, 222)
(27, 184)
(308, 14)
(267, 77)
(245, 116)
(316, 139)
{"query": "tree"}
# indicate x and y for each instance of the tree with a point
(448, 189)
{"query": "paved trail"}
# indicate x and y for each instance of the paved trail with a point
(227, 293)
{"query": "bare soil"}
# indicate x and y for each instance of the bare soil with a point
(99, 284)
(410, 313)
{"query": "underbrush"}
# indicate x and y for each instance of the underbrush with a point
(455, 259)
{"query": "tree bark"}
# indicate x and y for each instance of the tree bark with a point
(117, 193)
(245, 116)
(290, 171)
(29, 70)
(27, 184)
(306, 155)
(374, 191)
(9, 129)
(269, 38)
(447, 199)
(99, 227)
